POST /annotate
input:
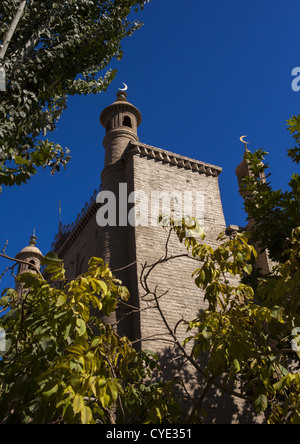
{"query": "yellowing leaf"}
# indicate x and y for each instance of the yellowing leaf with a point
(113, 391)
(103, 287)
(86, 415)
(78, 404)
(104, 398)
(80, 327)
(62, 299)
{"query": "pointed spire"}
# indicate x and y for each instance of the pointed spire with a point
(245, 143)
(33, 239)
(121, 96)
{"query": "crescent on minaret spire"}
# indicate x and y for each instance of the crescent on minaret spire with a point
(244, 142)
(125, 87)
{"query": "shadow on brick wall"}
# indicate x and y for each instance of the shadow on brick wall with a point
(218, 407)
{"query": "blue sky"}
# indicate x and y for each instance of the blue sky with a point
(202, 74)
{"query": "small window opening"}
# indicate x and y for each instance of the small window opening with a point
(127, 122)
(32, 263)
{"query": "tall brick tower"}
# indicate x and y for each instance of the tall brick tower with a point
(138, 177)
(120, 120)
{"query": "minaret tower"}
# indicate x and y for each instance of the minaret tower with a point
(31, 258)
(243, 170)
(121, 120)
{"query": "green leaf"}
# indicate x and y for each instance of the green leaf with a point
(51, 391)
(80, 327)
(98, 386)
(95, 261)
(19, 390)
(62, 299)
(236, 366)
(103, 287)
(20, 160)
(79, 348)
(279, 385)
(50, 258)
(104, 398)
(261, 403)
(112, 390)
(86, 415)
(96, 341)
(78, 404)
(46, 343)
(28, 279)
(207, 334)
(277, 313)
(248, 269)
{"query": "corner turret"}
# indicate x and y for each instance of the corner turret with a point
(31, 258)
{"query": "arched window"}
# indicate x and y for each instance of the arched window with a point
(127, 121)
(32, 262)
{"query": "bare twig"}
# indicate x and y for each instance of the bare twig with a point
(144, 277)
(18, 261)
(6, 270)
(124, 268)
(5, 246)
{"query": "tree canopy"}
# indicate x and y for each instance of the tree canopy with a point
(276, 213)
(57, 50)
(63, 362)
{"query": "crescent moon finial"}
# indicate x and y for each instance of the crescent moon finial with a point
(125, 87)
(244, 142)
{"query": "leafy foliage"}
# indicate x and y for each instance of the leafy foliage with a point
(57, 51)
(245, 334)
(64, 363)
(275, 212)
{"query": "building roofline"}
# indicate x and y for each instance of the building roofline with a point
(64, 239)
(172, 158)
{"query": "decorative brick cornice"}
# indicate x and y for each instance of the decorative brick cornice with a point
(137, 148)
(67, 235)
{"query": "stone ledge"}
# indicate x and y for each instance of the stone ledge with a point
(171, 158)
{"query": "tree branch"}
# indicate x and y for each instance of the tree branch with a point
(18, 261)
(144, 283)
(12, 29)
(20, 55)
